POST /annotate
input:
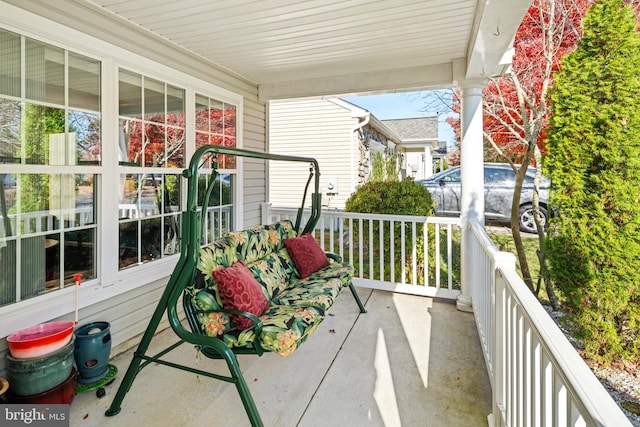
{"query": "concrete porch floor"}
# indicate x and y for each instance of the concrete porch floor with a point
(409, 361)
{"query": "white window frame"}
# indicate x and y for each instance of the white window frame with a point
(111, 282)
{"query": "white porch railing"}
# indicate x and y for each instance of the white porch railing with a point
(537, 377)
(388, 251)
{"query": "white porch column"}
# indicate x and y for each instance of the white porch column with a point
(427, 165)
(471, 180)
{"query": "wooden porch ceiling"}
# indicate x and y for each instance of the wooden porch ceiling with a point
(295, 48)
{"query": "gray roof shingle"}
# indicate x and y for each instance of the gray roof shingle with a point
(416, 128)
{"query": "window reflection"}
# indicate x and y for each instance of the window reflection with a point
(219, 213)
(10, 112)
(10, 65)
(152, 122)
(44, 72)
(84, 82)
(216, 125)
(149, 213)
(84, 134)
(47, 232)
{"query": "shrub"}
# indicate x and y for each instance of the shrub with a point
(593, 246)
(393, 198)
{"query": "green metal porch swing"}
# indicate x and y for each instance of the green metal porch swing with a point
(193, 221)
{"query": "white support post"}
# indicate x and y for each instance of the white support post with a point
(471, 181)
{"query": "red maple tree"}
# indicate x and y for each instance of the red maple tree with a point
(516, 105)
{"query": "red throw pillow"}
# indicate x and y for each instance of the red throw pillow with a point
(239, 290)
(306, 253)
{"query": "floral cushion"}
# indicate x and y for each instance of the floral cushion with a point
(307, 255)
(284, 328)
(239, 290)
(296, 306)
(273, 273)
(319, 289)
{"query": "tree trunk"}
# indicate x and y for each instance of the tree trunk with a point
(515, 229)
(544, 271)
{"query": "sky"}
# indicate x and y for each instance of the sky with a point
(392, 105)
(402, 106)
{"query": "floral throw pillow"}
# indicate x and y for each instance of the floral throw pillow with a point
(307, 255)
(239, 290)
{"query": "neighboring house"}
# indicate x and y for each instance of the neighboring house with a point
(341, 136)
(344, 138)
(424, 152)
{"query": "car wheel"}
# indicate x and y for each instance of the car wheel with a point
(526, 220)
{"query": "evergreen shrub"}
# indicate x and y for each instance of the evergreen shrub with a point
(593, 244)
(394, 198)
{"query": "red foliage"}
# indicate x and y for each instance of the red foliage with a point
(507, 121)
(164, 137)
(545, 34)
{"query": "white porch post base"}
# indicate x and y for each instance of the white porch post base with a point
(463, 303)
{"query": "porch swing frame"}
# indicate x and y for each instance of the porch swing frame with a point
(193, 221)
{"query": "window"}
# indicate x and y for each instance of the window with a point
(151, 149)
(216, 125)
(452, 177)
(50, 140)
(62, 188)
(498, 176)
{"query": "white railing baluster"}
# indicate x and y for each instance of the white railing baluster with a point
(382, 245)
(331, 233)
(392, 252)
(449, 256)
(437, 255)
(322, 228)
(351, 241)
(414, 254)
(360, 247)
(341, 238)
(371, 239)
(425, 255)
(403, 257)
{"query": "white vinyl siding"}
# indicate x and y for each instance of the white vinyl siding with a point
(315, 128)
(127, 300)
(254, 173)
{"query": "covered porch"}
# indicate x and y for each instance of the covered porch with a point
(410, 361)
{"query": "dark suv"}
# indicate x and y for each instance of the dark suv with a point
(499, 182)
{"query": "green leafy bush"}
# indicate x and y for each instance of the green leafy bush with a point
(393, 198)
(593, 245)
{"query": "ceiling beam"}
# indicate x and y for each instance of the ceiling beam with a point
(398, 80)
